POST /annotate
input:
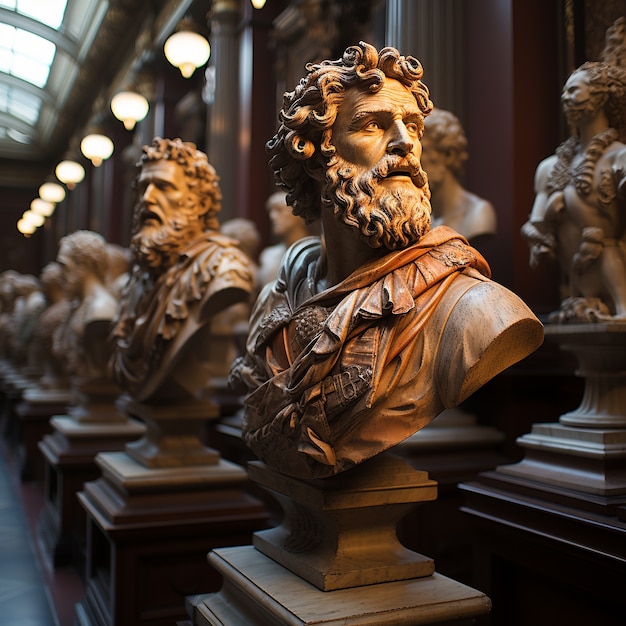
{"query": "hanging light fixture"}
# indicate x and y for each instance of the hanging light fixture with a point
(70, 173)
(129, 107)
(25, 227)
(33, 218)
(187, 49)
(52, 192)
(96, 147)
(42, 207)
(258, 4)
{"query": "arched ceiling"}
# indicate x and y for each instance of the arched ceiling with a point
(58, 60)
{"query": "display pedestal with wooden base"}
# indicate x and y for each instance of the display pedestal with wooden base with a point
(553, 526)
(336, 559)
(150, 524)
(34, 413)
(259, 592)
(69, 461)
(454, 448)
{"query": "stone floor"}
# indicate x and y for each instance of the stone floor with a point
(31, 592)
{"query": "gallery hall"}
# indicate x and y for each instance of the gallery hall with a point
(312, 312)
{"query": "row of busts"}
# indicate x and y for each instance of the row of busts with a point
(43, 318)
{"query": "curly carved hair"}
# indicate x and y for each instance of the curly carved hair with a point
(200, 174)
(608, 83)
(302, 145)
(88, 249)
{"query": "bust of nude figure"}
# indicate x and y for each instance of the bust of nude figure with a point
(367, 335)
(579, 214)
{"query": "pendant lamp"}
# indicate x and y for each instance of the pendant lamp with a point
(187, 49)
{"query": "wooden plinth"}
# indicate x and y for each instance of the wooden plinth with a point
(452, 449)
(69, 461)
(546, 554)
(340, 532)
(587, 464)
(551, 529)
(148, 534)
(259, 592)
(34, 420)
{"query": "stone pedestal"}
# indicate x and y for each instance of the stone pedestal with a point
(69, 461)
(552, 525)
(153, 515)
(336, 557)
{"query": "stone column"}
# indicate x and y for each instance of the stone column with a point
(222, 132)
(432, 31)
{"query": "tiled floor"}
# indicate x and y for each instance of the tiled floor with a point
(31, 594)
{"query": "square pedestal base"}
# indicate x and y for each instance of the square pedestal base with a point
(34, 420)
(259, 592)
(69, 462)
(148, 535)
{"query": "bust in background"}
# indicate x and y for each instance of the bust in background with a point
(54, 317)
(443, 158)
(287, 228)
(184, 272)
(83, 258)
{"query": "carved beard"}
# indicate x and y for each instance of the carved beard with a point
(394, 218)
(156, 246)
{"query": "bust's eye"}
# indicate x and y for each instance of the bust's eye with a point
(413, 128)
(372, 125)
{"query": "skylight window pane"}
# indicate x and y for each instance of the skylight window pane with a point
(25, 55)
(25, 107)
(34, 46)
(21, 104)
(30, 70)
(48, 12)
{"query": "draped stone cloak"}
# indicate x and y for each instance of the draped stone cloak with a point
(339, 376)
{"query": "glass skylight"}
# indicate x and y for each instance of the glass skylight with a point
(49, 12)
(26, 56)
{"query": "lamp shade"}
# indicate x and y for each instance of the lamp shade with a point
(258, 4)
(129, 107)
(52, 192)
(187, 50)
(96, 148)
(42, 207)
(33, 218)
(70, 173)
(25, 227)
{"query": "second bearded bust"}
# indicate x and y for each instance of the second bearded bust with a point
(184, 272)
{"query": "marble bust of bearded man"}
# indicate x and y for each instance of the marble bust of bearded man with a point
(370, 332)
